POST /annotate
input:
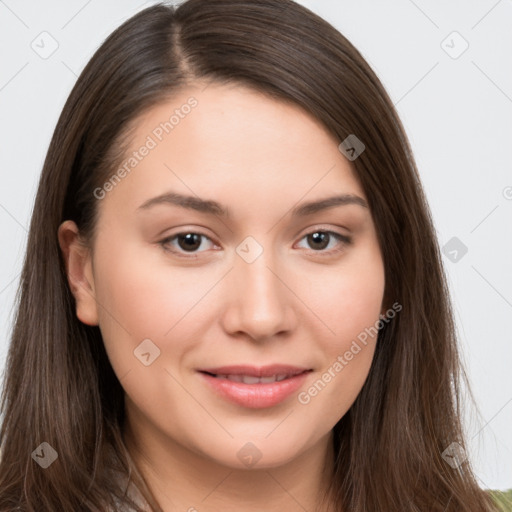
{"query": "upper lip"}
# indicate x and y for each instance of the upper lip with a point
(255, 371)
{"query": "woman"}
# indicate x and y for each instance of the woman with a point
(233, 298)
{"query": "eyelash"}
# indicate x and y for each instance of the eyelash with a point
(345, 240)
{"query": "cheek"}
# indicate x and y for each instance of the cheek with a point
(348, 298)
(141, 285)
(348, 301)
(143, 300)
(347, 353)
(327, 398)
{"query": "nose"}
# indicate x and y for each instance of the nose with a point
(259, 303)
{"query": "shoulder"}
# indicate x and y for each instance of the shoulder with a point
(131, 491)
(503, 499)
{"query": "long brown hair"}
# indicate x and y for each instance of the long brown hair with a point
(59, 386)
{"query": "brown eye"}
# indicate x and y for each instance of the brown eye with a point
(183, 243)
(189, 241)
(319, 240)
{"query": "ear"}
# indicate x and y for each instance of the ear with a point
(77, 259)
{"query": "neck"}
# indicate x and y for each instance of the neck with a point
(182, 479)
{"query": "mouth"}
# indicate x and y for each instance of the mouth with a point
(254, 387)
(254, 374)
(251, 379)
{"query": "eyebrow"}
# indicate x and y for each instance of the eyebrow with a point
(214, 208)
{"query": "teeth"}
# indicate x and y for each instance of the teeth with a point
(250, 379)
(267, 380)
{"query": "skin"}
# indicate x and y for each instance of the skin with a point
(259, 158)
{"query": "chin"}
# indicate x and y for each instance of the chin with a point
(257, 453)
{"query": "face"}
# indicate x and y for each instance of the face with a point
(240, 273)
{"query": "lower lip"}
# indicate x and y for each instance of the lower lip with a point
(256, 396)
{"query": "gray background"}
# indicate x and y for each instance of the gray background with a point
(457, 110)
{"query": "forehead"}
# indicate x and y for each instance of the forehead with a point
(235, 144)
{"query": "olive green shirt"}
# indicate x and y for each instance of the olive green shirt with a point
(503, 499)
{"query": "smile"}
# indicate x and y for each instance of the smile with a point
(255, 388)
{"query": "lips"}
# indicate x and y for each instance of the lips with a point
(255, 387)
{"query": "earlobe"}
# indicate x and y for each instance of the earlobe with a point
(77, 259)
